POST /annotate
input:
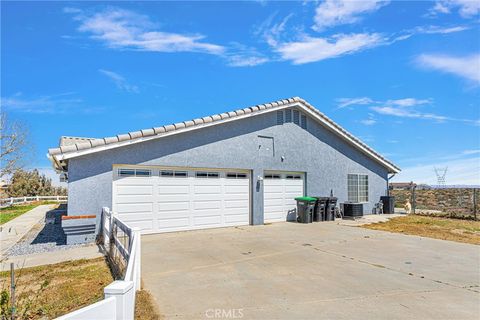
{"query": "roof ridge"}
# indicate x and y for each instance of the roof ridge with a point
(97, 142)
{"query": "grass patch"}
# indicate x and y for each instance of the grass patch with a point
(50, 291)
(9, 213)
(145, 307)
(433, 227)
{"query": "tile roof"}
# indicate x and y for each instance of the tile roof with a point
(79, 144)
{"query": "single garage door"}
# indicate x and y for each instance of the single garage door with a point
(279, 191)
(164, 200)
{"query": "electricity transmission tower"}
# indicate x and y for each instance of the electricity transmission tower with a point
(441, 173)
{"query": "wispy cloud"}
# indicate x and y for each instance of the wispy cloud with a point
(370, 121)
(119, 81)
(467, 67)
(466, 8)
(471, 151)
(431, 29)
(402, 108)
(312, 49)
(57, 103)
(331, 13)
(346, 102)
(123, 29)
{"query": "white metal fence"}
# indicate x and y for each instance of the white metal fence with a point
(7, 202)
(123, 245)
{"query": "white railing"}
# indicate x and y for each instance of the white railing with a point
(123, 245)
(7, 202)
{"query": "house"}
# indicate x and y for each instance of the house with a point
(401, 185)
(236, 168)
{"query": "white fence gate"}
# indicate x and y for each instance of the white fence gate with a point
(123, 246)
(7, 202)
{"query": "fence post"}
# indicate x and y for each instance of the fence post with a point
(138, 258)
(124, 295)
(475, 204)
(414, 204)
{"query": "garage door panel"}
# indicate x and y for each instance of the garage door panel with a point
(208, 220)
(133, 199)
(173, 189)
(236, 189)
(134, 190)
(207, 189)
(138, 216)
(134, 207)
(166, 198)
(213, 204)
(170, 223)
(144, 225)
(173, 206)
(234, 218)
(236, 204)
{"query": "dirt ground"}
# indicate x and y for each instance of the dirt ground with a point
(465, 231)
(49, 291)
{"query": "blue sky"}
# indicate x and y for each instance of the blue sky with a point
(402, 76)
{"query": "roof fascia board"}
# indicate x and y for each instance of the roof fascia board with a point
(74, 154)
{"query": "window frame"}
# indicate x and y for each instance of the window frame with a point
(357, 188)
(207, 174)
(121, 172)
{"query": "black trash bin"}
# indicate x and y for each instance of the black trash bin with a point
(330, 209)
(388, 204)
(305, 206)
(320, 209)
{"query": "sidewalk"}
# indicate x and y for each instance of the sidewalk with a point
(39, 259)
(12, 231)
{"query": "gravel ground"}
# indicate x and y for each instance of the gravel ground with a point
(43, 237)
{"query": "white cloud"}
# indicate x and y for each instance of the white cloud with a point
(338, 12)
(472, 151)
(124, 29)
(346, 102)
(409, 102)
(467, 67)
(370, 121)
(460, 171)
(119, 81)
(311, 49)
(466, 8)
(402, 108)
(440, 30)
(58, 103)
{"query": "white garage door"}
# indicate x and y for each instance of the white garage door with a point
(279, 191)
(163, 200)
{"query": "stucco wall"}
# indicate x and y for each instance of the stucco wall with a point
(325, 158)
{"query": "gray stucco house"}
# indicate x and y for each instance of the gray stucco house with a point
(236, 168)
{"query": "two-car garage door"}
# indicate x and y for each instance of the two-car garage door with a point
(162, 200)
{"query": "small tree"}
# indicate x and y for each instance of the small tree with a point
(13, 145)
(32, 183)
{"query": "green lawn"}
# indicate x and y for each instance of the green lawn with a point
(7, 214)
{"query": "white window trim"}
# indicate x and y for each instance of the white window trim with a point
(358, 188)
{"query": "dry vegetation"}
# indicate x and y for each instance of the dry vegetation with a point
(145, 308)
(47, 292)
(50, 291)
(432, 227)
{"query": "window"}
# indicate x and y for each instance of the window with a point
(134, 172)
(235, 175)
(272, 176)
(296, 117)
(293, 177)
(176, 174)
(279, 117)
(357, 185)
(303, 121)
(288, 115)
(203, 174)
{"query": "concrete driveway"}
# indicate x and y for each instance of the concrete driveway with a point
(314, 271)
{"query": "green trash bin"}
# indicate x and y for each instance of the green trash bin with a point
(305, 206)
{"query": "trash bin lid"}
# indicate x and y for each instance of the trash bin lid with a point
(305, 199)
